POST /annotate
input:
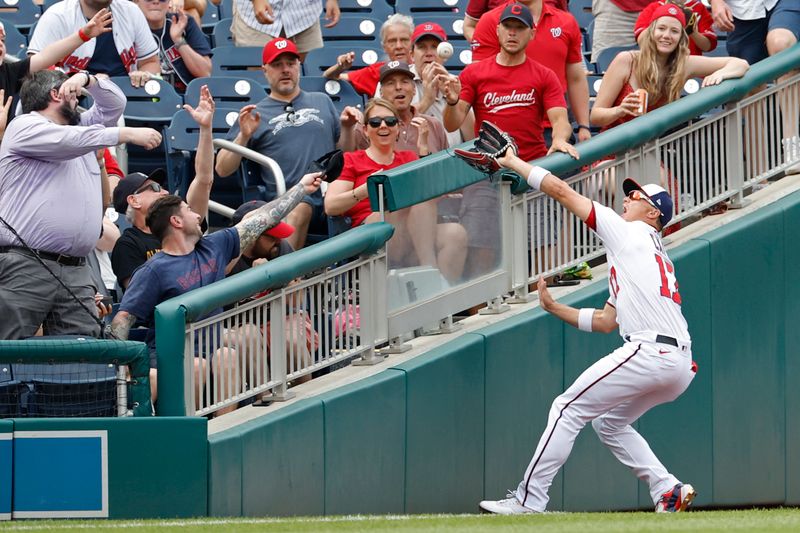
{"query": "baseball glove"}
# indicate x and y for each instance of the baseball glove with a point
(490, 144)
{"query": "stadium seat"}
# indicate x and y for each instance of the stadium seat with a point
(10, 392)
(16, 44)
(238, 61)
(594, 81)
(416, 7)
(210, 18)
(317, 61)
(69, 390)
(377, 9)
(582, 11)
(354, 28)
(605, 57)
(225, 9)
(452, 23)
(180, 144)
(341, 92)
(222, 36)
(20, 13)
(462, 56)
(227, 91)
(153, 104)
(720, 51)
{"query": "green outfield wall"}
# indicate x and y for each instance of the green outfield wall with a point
(451, 427)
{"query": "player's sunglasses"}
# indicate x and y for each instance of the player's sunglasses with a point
(155, 187)
(375, 122)
(639, 195)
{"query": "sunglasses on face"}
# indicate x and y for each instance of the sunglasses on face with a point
(155, 187)
(639, 195)
(375, 122)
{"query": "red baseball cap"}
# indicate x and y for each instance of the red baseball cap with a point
(427, 29)
(276, 47)
(668, 10)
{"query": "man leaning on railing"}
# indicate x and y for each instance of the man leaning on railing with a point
(188, 260)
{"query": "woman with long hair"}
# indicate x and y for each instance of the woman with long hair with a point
(418, 239)
(661, 67)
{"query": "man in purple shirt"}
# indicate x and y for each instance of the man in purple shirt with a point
(50, 202)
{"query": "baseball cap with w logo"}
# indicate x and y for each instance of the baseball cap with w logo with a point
(519, 12)
(657, 194)
(276, 47)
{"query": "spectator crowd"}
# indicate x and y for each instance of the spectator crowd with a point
(77, 233)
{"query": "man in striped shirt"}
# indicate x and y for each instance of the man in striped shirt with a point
(256, 22)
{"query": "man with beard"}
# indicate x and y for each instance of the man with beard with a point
(292, 127)
(50, 195)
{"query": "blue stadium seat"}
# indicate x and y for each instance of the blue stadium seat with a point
(354, 28)
(20, 13)
(180, 144)
(238, 61)
(16, 44)
(341, 92)
(582, 11)
(377, 9)
(225, 9)
(416, 7)
(462, 56)
(720, 51)
(317, 61)
(227, 91)
(222, 36)
(594, 81)
(605, 57)
(210, 18)
(154, 104)
(10, 392)
(452, 23)
(69, 390)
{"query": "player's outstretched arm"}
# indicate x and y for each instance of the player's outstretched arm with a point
(603, 320)
(542, 180)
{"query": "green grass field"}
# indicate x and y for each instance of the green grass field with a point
(750, 520)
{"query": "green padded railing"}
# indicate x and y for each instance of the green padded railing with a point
(172, 315)
(133, 354)
(442, 172)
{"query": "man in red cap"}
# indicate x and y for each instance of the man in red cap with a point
(556, 44)
(292, 127)
(268, 246)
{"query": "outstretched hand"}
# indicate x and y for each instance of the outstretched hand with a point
(99, 24)
(203, 114)
(249, 119)
(546, 300)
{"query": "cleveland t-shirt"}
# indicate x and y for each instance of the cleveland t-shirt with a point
(515, 99)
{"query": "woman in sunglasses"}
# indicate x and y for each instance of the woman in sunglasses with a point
(414, 242)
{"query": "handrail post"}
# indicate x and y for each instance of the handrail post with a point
(734, 158)
(518, 218)
(277, 350)
(369, 312)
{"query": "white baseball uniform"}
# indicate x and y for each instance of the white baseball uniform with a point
(654, 365)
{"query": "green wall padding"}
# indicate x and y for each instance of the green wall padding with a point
(445, 428)
(283, 462)
(747, 321)
(524, 368)
(365, 436)
(791, 309)
(225, 473)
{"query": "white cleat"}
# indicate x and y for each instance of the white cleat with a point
(510, 505)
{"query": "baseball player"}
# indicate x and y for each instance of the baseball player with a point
(653, 366)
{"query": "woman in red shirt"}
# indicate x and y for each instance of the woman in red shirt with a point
(661, 68)
(414, 242)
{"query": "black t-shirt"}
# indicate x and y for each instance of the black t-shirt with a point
(131, 251)
(11, 76)
(106, 59)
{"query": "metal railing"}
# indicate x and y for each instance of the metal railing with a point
(344, 311)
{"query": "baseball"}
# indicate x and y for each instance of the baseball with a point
(444, 50)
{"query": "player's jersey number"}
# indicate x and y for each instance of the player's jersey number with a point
(664, 267)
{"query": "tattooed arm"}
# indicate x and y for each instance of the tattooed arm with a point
(121, 325)
(268, 216)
